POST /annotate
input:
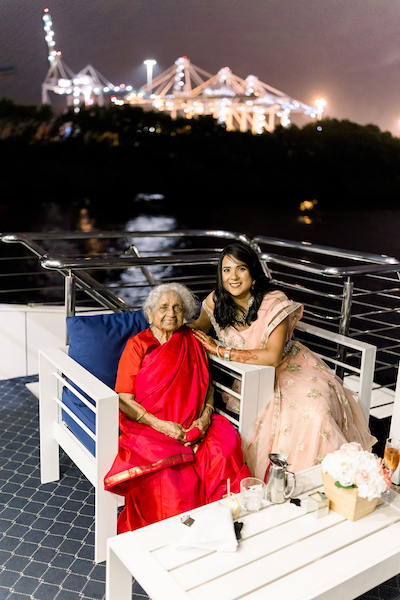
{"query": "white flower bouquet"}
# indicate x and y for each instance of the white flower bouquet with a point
(353, 467)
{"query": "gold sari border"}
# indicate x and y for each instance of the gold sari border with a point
(145, 469)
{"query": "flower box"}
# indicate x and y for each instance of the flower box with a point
(347, 502)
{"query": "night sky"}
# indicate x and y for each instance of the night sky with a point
(347, 51)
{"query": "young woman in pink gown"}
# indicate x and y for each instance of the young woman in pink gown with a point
(310, 413)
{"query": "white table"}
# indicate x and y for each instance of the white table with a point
(284, 553)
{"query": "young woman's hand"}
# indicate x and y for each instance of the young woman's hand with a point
(207, 341)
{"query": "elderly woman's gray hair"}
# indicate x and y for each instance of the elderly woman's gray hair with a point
(189, 300)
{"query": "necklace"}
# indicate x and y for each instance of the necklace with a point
(242, 320)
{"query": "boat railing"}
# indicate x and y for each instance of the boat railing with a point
(356, 294)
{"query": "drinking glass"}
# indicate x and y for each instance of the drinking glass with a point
(392, 454)
(252, 492)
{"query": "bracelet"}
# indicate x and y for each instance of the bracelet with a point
(218, 354)
(141, 416)
(227, 354)
(211, 406)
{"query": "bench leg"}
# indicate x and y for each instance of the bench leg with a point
(105, 515)
(48, 415)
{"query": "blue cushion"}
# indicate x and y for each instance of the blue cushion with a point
(97, 343)
(84, 414)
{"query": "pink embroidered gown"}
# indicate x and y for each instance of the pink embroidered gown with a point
(310, 413)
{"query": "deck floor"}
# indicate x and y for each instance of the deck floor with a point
(46, 543)
(47, 531)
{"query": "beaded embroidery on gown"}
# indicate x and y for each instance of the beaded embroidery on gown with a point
(310, 413)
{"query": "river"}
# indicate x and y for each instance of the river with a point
(373, 231)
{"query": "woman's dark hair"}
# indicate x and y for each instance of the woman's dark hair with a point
(225, 307)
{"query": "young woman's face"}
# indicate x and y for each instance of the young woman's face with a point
(236, 277)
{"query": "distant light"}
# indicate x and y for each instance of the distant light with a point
(149, 62)
(64, 83)
(320, 103)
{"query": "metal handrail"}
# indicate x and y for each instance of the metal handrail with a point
(337, 294)
(327, 250)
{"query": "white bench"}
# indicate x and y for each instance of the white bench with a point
(57, 369)
(54, 367)
(361, 378)
(257, 383)
(256, 387)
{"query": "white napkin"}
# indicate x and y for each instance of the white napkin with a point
(212, 530)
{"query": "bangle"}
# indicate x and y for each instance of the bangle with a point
(218, 354)
(227, 354)
(211, 406)
(141, 416)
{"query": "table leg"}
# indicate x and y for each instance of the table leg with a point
(118, 578)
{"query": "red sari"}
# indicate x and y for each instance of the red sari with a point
(158, 475)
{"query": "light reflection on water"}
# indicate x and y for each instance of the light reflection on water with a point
(155, 246)
(371, 231)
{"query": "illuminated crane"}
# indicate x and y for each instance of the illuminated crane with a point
(182, 90)
(244, 104)
(86, 87)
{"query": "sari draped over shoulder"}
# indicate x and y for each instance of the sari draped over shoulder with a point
(157, 474)
(310, 413)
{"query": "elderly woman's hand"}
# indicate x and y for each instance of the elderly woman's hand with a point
(171, 429)
(202, 424)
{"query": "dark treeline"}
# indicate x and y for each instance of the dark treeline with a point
(115, 152)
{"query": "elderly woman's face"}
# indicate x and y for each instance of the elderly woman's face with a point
(168, 312)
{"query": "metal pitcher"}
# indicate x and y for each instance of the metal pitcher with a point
(279, 480)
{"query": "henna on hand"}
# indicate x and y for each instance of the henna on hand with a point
(243, 356)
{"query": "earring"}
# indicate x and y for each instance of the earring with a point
(252, 286)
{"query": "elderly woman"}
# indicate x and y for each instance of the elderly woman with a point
(174, 454)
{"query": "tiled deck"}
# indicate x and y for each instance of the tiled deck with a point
(46, 544)
(47, 537)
